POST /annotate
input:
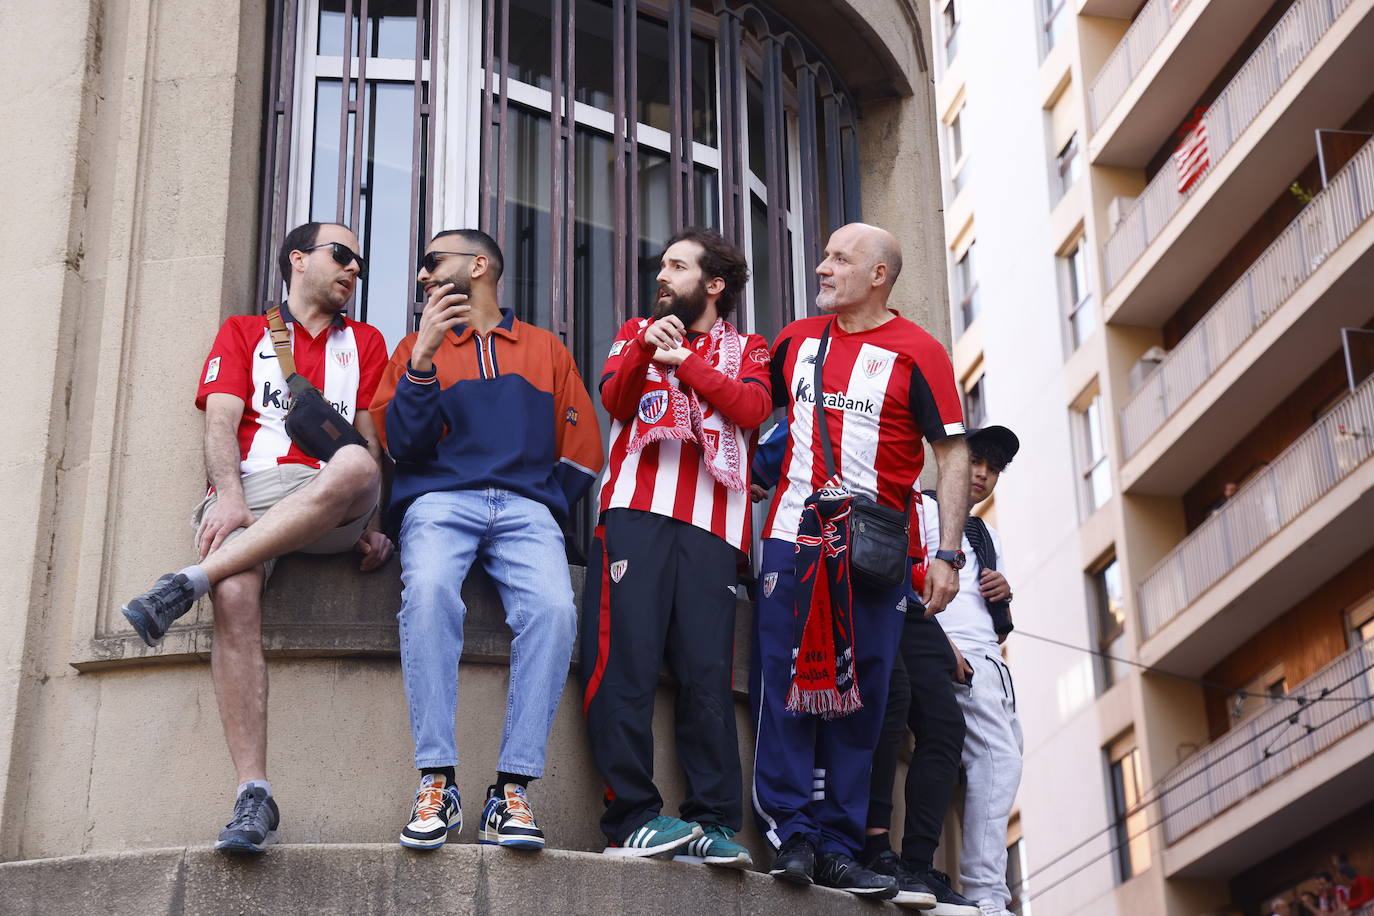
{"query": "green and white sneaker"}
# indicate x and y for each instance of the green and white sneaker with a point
(662, 834)
(716, 846)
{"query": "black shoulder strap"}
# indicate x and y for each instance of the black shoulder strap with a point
(930, 493)
(820, 409)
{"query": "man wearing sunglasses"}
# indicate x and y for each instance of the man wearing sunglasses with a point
(495, 440)
(268, 498)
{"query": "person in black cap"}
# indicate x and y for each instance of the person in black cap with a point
(955, 694)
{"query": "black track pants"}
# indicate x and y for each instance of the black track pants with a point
(660, 588)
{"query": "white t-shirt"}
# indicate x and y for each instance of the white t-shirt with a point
(966, 620)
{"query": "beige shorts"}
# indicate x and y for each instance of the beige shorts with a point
(264, 489)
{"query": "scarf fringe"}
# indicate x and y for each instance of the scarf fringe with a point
(827, 703)
(658, 434)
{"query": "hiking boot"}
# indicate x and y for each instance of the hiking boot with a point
(508, 821)
(947, 902)
(153, 612)
(796, 861)
(659, 835)
(254, 824)
(839, 871)
(437, 810)
(911, 891)
(716, 846)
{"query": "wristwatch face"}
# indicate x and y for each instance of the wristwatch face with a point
(954, 558)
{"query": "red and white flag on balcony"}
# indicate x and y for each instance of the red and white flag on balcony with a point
(1191, 157)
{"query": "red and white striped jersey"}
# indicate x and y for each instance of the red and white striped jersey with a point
(669, 477)
(345, 362)
(885, 389)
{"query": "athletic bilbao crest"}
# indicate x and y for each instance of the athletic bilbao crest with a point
(876, 365)
(652, 406)
(344, 358)
(618, 569)
(770, 581)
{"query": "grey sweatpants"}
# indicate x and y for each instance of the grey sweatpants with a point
(992, 761)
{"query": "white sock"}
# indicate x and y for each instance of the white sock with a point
(200, 582)
(255, 784)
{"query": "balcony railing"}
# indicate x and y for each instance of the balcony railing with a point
(1319, 459)
(1318, 712)
(1239, 103)
(1321, 228)
(1130, 56)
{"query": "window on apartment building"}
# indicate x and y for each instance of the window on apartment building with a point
(1360, 620)
(949, 16)
(1067, 164)
(1078, 293)
(975, 403)
(1130, 837)
(1258, 694)
(1095, 471)
(966, 288)
(959, 168)
(1109, 623)
(1052, 20)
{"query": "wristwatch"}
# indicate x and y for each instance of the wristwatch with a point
(954, 558)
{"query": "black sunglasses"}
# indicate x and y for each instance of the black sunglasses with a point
(430, 261)
(343, 256)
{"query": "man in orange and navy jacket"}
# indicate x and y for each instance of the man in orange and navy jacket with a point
(495, 440)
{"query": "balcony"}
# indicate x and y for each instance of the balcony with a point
(1259, 135)
(1305, 287)
(1232, 575)
(1167, 58)
(1277, 775)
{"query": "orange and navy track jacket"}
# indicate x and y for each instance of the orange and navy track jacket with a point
(508, 411)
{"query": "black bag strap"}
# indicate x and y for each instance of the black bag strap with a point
(820, 409)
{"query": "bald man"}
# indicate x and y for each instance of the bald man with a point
(886, 384)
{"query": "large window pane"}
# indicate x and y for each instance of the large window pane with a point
(531, 40)
(703, 91)
(768, 312)
(653, 84)
(655, 224)
(527, 241)
(595, 54)
(390, 29)
(758, 158)
(707, 197)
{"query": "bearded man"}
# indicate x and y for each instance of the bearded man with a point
(686, 393)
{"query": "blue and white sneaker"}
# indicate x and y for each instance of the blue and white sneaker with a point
(508, 821)
(254, 824)
(438, 809)
(154, 611)
(716, 846)
(662, 834)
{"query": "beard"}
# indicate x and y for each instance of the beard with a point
(688, 307)
(462, 283)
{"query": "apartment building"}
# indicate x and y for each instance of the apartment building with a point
(1158, 227)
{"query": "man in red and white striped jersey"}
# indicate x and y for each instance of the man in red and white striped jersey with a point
(268, 498)
(686, 392)
(886, 385)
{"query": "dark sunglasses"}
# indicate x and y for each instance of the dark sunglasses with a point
(430, 261)
(343, 256)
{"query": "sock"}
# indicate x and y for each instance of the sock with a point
(519, 780)
(876, 845)
(200, 583)
(450, 778)
(254, 783)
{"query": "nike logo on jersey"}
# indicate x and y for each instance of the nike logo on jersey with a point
(272, 355)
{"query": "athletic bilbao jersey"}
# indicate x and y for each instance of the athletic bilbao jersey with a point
(345, 362)
(884, 390)
(669, 477)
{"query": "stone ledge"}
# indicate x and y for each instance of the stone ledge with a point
(385, 878)
(321, 606)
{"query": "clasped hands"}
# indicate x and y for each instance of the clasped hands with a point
(667, 336)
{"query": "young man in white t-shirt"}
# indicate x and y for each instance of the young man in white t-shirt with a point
(977, 621)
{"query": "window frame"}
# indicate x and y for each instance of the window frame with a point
(1123, 759)
(964, 279)
(1089, 418)
(1067, 165)
(949, 26)
(1076, 292)
(1109, 640)
(1051, 26)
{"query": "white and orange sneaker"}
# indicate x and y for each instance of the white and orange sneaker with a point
(438, 809)
(508, 821)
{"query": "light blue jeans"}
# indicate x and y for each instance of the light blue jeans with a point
(521, 548)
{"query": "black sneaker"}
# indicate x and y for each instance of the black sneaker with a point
(796, 861)
(837, 870)
(437, 810)
(508, 821)
(254, 824)
(912, 892)
(947, 903)
(152, 612)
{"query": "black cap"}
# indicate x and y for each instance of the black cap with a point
(1001, 438)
